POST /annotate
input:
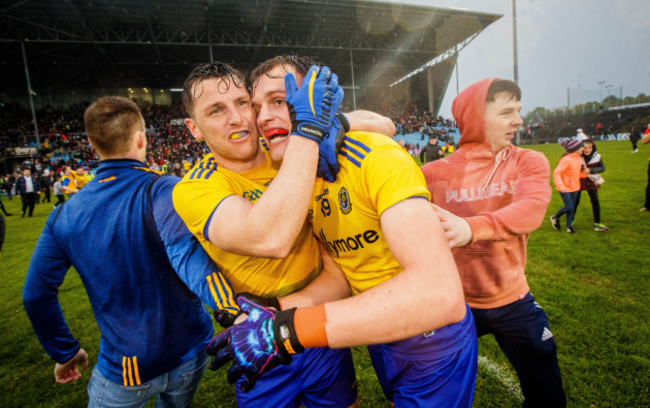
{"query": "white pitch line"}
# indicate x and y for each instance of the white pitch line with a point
(509, 382)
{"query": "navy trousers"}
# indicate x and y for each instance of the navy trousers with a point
(522, 331)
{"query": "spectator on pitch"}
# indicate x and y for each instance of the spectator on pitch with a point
(3, 209)
(7, 186)
(431, 151)
(591, 180)
(137, 261)
(645, 140)
(566, 178)
(635, 136)
(57, 190)
(368, 226)
(28, 187)
(490, 195)
(45, 183)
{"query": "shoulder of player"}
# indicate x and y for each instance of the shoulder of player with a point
(359, 145)
(203, 170)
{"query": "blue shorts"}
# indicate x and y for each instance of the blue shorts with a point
(319, 377)
(435, 369)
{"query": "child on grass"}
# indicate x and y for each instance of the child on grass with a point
(566, 177)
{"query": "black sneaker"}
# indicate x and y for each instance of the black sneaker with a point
(555, 223)
(570, 230)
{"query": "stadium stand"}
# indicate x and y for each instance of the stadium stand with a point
(415, 125)
(598, 124)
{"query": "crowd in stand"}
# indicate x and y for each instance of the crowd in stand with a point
(172, 149)
(63, 145)
(410, 118)
(597, 124)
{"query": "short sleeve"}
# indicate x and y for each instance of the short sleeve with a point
(391, 175)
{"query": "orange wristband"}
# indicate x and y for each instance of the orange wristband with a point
(309, 323)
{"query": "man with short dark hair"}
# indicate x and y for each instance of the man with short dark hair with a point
(490, 195)
(29, 188)
(142, 270)
(431, 151)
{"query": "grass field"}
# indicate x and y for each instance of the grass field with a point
(594, 287)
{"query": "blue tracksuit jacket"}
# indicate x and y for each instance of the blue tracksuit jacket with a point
(136, 259)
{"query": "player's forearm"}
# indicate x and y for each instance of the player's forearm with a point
(645, 139)
(329, 286)
(270, 226)
(370, 122)
(402, 307)
(421, 298)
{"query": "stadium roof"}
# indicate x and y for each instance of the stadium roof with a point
(155, 43)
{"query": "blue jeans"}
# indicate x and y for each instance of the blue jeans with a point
(175, 388)
(569, 207)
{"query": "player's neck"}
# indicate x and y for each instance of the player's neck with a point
(240, 166)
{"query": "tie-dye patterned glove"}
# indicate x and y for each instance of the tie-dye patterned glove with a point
(262, 342)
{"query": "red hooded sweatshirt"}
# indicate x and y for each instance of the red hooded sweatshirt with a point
(503, 197)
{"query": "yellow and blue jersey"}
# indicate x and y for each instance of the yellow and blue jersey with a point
(375, 174)
(80, 180)
(196, 197)
(199, 194)
(69, 182)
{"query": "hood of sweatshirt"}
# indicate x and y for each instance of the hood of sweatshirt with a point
(467, 108)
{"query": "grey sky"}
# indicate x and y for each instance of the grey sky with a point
(561, 43)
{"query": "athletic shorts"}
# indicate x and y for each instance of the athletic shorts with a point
(435, 369)
(319, 377)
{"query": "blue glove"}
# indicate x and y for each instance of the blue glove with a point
(262, 342)
(328, 164)
(313, 106)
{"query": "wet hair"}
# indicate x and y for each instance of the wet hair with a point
(503, 85)
(110, 122)
(226, 74)
(300, 64)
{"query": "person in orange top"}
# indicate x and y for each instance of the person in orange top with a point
(566, 177)
(490, 195)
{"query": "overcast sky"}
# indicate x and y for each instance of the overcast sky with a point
(561, 43)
